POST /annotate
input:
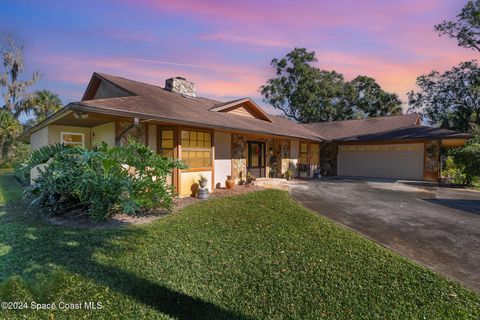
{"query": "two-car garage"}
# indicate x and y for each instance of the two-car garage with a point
(399, 161)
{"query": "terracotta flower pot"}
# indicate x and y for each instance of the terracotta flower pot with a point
(230, 182)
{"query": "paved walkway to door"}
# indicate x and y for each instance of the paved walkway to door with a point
(438, 227)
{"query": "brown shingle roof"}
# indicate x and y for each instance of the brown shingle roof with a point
(154, 102)
(338, 130)
(409, 133)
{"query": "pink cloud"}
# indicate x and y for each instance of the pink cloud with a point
(222, 81)
(255, 40)
(306, 13)
(393, 47)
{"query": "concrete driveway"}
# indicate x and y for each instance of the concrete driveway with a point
(438, 227)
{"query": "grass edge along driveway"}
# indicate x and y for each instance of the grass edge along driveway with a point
(259, 255)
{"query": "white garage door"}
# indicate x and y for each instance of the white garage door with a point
(399, 161)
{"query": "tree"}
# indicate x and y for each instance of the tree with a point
(16, 99)
(369, 100)
(43, 104)
(9, 129)
(450, 99)
(14, 91)
(466, 29)
(305, 93)
(468, 158)
(293, 91)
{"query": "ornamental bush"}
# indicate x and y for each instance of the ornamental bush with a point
(468, 159)
(101, 181)
(453, 173)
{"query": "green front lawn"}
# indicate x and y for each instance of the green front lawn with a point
(259, 255)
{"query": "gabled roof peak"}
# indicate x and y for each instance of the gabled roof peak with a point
(230, 106)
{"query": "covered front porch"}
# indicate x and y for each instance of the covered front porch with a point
(272, 157)
(214, 153)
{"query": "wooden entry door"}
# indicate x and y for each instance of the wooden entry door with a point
(256, 159)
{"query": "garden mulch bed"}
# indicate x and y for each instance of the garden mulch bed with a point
(79, 219)
(183, 202)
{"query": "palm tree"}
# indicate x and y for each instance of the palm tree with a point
(44, 104)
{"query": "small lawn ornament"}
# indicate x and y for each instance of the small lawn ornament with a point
(202, 192)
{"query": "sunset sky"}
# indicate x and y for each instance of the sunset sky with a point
(225, 47)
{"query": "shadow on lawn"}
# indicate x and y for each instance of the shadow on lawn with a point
(74, 250)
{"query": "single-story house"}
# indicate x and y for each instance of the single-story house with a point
(219, 139)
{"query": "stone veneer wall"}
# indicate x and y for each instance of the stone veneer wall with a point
(274, 159)
(138, 133)
(432, 160)
(268, 155)
(239, 156)
(286, 162)
(328, 159)
(182, 86)
(277, 155)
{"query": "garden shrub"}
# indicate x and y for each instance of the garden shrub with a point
(453, 173)
(17, 152)
(21, 171)
(131, 179)
(468, 158)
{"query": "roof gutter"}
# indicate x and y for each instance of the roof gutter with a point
(54, 117)
(78, 106)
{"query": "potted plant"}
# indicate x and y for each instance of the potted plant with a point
(202, 181)
(202, 192)
(230, 183)
(289, 174)
(250, 178)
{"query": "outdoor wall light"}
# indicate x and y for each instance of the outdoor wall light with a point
(80, 115)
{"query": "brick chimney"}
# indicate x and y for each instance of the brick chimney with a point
(182, 86)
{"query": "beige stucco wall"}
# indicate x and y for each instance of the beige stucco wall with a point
(152, 137)
(104, 133)
(39, 138)
(54, 133)
(223, 158)
(189, 179)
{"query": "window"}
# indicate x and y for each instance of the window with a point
(315, 153)
(72, 139)
(303, 153)
(197, 149)
(166, 143)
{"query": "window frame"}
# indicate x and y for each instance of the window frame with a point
(64, 133)
(160, 140)
(196, 149)
(300, 153)
(312, 154)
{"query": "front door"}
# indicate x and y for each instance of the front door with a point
(256, 159)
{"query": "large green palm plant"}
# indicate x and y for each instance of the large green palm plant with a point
(44, 104)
